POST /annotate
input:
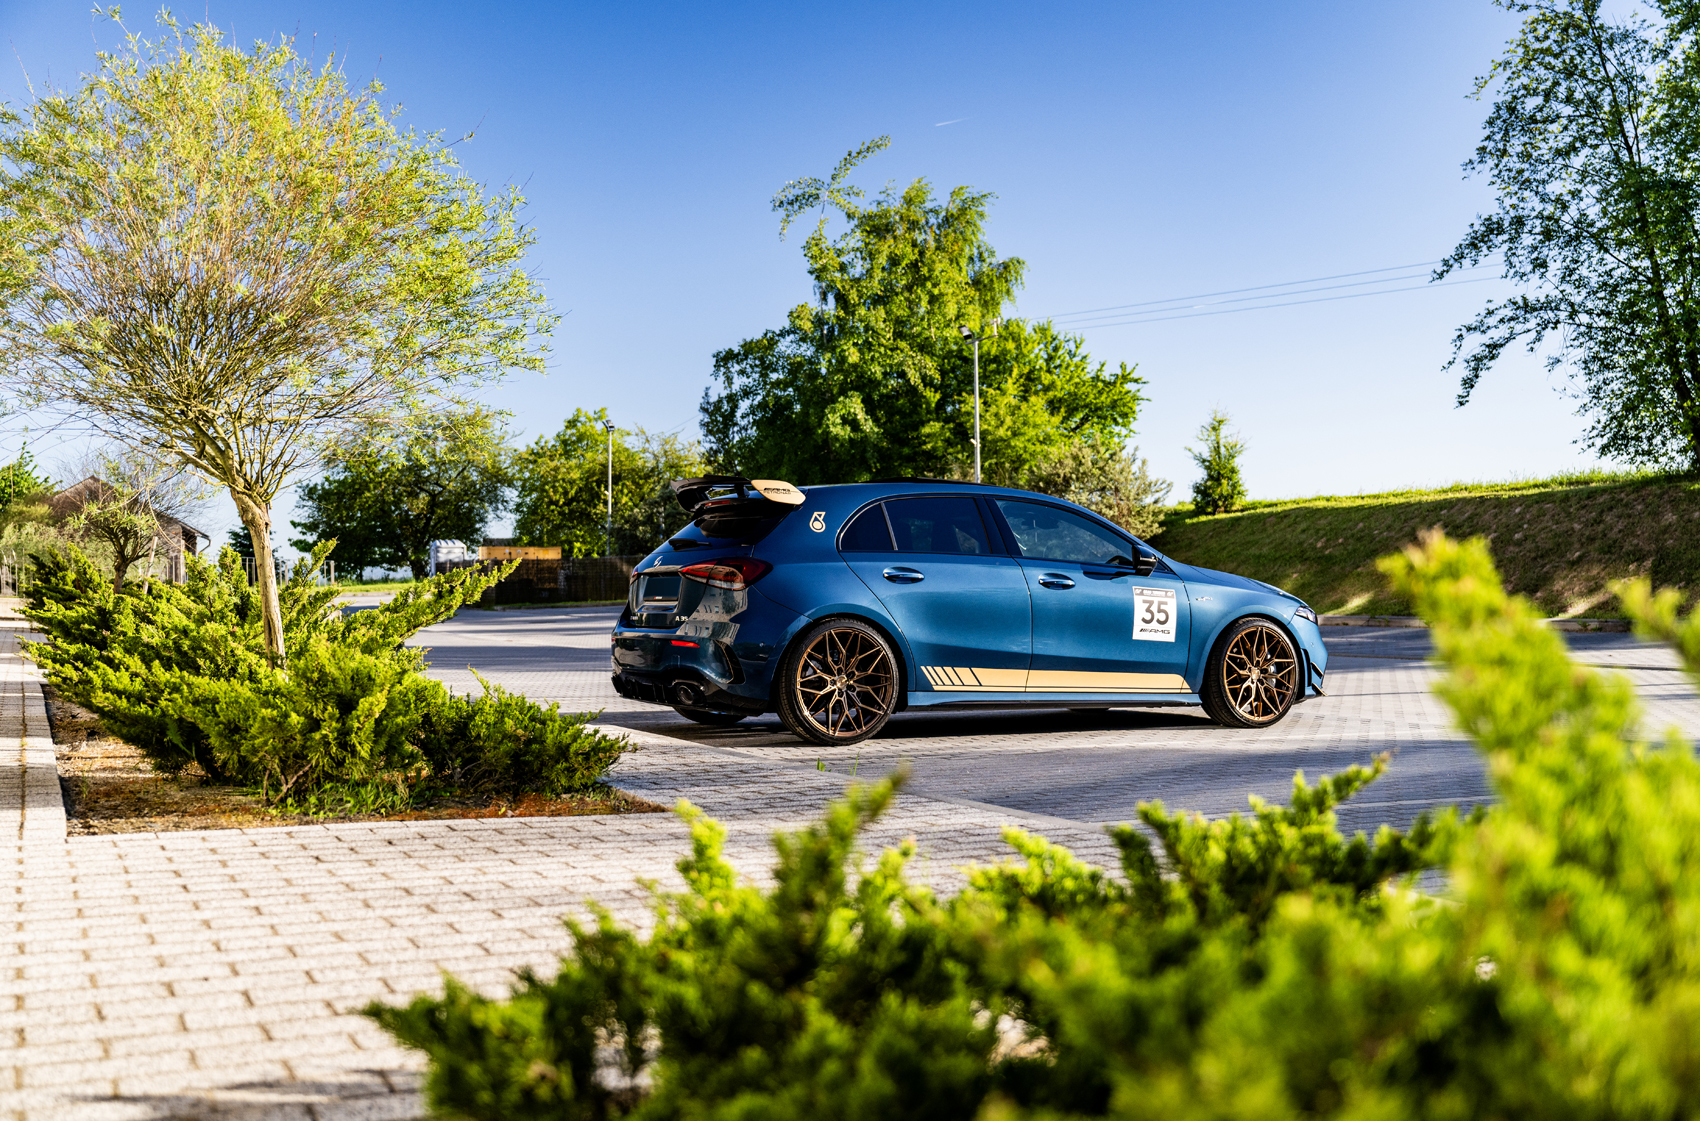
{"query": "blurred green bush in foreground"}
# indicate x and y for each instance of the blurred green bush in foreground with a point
(1254, 967)
(182, 672)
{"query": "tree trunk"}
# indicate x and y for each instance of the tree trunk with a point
(257, 519)
(122, 561)
(420, 566)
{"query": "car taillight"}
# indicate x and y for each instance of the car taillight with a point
(732, 572)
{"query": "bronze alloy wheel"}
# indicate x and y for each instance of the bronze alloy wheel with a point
(839, 683)
(1253, 677)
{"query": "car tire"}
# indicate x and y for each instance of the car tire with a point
(838, 683)
(712, 719)
(1252, 678)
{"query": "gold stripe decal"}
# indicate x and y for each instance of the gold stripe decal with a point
(1074, 681)
(965, 679)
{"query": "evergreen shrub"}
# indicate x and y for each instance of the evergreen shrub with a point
(182, 672)
(1221, 489)
(1260, 966)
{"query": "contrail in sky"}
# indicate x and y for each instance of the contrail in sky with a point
(958, 121)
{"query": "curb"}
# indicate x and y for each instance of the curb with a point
(1589, 626)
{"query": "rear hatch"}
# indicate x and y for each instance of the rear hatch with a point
(731, 515)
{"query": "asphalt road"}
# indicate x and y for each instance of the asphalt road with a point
(1089, 767)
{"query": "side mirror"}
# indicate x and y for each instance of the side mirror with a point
(1144, 566)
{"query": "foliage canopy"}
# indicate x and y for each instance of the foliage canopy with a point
(230, 260)
(1590, 146)
(874, 379)
(562, 487)
(384, 499)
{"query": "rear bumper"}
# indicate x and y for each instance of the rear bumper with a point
(710, 671)
(683, 687)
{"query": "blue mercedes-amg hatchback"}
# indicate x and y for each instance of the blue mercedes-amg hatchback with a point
(836, 606)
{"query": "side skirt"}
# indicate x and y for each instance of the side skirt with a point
(1052, 700)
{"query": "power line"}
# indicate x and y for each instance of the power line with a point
(1237, 291)
(1290, 303)
(1248, 299)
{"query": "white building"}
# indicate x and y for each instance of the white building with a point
(443, 552)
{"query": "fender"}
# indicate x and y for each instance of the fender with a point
(900, 647)
(1240, 616)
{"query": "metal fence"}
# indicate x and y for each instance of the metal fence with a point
(594, 578)
(12, 577)
(325, 575)
(568, 580)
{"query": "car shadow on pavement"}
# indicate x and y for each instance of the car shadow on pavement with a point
(362, 1094)
(767, 731)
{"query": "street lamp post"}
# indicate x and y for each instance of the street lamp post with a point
(608, 526)
(968, 334)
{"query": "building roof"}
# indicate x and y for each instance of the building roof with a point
(74, 497)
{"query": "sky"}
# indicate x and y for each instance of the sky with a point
(1141, 154)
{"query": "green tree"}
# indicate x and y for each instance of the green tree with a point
(1106, 479)
(124, 500)
(1591, 146)
(385, 500)
(561, 485)
(874, 379)
(1220, 490)
(26, 522)
(21, 482)
(241, 542)
(230, 259)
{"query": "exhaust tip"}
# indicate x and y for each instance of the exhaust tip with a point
(685, 693)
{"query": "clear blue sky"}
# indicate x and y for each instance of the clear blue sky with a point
(1139, 152)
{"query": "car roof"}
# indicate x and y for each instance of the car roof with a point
(916, 483)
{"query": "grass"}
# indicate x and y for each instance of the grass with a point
(1560, 541)
(355, 587)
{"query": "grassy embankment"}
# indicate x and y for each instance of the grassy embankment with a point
(1560, 541)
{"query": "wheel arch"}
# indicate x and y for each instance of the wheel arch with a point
(890, 632)
(1210, 648)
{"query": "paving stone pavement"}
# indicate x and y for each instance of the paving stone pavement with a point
(213, 974)
(1090, 766)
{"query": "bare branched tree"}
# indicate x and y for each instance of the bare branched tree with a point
(227, 260)
(131, 502)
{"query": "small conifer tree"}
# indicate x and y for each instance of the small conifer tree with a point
(1221, 490)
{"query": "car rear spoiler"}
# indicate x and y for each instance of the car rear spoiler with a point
(729, 493)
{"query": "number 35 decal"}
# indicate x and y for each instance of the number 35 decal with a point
(1154, 614)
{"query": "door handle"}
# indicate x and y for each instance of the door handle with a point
(1055, 580)
(898, 575)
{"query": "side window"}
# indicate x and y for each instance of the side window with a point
(938, 525)
(867, 533)
(1050, 533)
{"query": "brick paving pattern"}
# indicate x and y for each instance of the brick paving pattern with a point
(212, 974)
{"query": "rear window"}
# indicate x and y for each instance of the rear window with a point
(726, 530)
(868, 533)
(938, 525)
